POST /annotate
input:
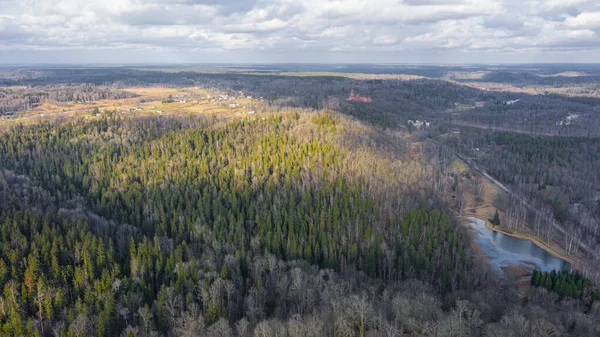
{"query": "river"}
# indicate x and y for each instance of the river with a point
(504, 250)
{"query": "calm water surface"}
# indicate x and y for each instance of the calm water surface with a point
(504, 250)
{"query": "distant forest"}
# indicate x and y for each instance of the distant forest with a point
(395, 101)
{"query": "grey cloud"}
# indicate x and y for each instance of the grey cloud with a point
(227, 7)
(284, 11)
(272, 29)
(224, 6)
(13, 34)
(504, 21)
(430, 2)
(559, 14)
(160, 16)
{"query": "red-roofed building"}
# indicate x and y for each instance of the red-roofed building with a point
(359, 98)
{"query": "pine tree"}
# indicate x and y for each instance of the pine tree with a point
(535, 278)
(548, 283)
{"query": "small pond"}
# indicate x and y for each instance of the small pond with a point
(504, 250)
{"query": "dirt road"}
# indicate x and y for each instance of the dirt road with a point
(555, 224)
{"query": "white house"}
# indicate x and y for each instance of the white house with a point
(418, 123)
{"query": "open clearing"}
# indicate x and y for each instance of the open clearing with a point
(150, 101)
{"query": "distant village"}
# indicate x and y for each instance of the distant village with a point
(224, 99)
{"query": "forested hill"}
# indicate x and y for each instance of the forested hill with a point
(150, 225)
(295, 224)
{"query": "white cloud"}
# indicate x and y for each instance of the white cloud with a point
(585, 20)
(300, 29)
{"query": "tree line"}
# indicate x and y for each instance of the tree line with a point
(14, 99)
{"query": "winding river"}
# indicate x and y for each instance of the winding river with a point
(504, 250)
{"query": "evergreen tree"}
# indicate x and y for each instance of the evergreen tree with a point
(496, 219)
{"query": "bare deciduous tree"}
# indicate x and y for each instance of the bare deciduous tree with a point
(362, 312)
(220, 328)
(79, 326)
(242, 327)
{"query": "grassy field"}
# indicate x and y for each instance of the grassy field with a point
(149, 99)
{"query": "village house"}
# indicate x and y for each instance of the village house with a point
(418, 123)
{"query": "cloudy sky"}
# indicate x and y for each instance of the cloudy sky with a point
(367, 31)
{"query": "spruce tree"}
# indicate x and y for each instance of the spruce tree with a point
(496, 220)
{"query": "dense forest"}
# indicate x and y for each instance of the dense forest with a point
(198, 209)
(316, 216)
(285, 226)
(541, 115)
